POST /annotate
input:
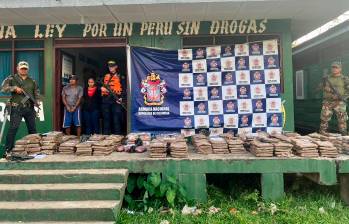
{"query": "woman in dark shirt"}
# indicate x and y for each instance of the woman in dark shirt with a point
(91, 107)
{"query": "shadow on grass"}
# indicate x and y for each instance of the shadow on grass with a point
(297, 185)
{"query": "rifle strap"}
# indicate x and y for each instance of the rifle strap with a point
(114, 94)
(18, 79)
(20, 82)
(333, 89)
(111, 76)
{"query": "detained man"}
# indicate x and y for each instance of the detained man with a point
(71, 96)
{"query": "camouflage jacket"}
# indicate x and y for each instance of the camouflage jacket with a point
(29, 85)
(335, 88)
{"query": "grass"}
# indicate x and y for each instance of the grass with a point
(305, 202)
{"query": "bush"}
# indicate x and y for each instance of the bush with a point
(154, 190)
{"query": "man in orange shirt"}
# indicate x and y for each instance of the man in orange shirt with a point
(111, 106)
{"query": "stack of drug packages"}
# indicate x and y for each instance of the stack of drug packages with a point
(50, 142)
(262, 146)
(20, 147)
(84, 149)
(158, 149)
(281, 137)
(33, 143)
(103, 148)
(68, 146)
(326, 148)
(219, 145)
(168, 138)
(304, 147)
(335, 139)
(345, 140)
(68, 137)
(282, 148)
(179, 147)
(116, 139)
(247, 139)
(201, 144)
(316, 136)
(96, 138)
(235, 144)
(291, 134)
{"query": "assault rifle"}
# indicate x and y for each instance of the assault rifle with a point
(339, 96)
(116, 97)
(27, 96)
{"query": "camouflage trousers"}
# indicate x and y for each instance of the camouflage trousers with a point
(340, 108)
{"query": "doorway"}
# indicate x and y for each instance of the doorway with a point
(85, 58)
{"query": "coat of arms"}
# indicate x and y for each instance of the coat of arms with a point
(153, 89)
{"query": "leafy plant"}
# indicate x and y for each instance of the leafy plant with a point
(145, 192)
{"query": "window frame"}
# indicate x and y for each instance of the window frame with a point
(13, 51)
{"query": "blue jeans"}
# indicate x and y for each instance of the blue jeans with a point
(91, 120)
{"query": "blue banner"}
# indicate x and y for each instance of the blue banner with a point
(155, 90)
(233, 88)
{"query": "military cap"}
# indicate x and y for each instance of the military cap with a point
(336, 64)
(111, 63)
(23, 64)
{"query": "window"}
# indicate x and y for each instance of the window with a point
(32, 51)
(6, 64)
(300, 85)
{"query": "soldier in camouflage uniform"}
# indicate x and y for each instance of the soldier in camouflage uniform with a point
(16, 85)
(335, 92)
